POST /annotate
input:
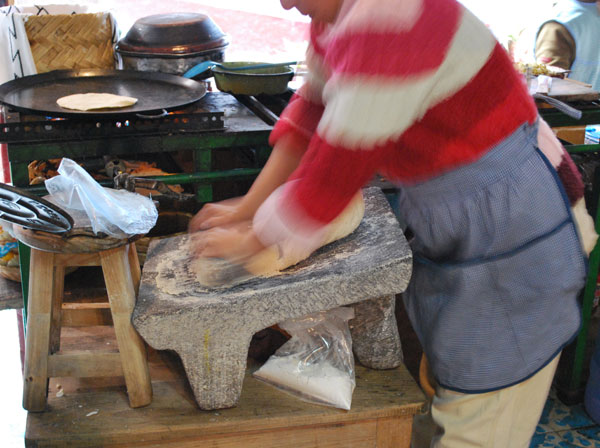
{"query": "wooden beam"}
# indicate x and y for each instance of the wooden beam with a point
(84, 364)
(84, 259)
(121, 289)
(37, 336)
(86, 314)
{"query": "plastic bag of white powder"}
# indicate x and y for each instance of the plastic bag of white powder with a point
(317, 363)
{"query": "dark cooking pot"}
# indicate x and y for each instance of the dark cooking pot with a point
(171, 43)
(255, 81)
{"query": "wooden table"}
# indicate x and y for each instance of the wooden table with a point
(95, 412)
(568, 90)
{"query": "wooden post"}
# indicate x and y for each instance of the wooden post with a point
(134, 265)
(121, 295)
(57, 300)
(37, 342)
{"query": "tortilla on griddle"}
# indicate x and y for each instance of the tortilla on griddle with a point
(95, 101)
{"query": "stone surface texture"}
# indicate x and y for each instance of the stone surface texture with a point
(375, 338)
(211, 328)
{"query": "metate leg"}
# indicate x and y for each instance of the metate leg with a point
(215, 364)
(375, 338)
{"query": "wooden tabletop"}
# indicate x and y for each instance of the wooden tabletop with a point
(95, 412)
(568, 90)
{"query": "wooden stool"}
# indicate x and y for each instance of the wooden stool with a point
(50, 255)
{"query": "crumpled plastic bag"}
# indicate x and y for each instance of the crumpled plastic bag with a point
(117, 213)
(316, 364)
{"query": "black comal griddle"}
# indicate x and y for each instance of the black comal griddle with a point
(156, 92)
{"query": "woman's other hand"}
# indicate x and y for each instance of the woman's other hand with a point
(235, 243)
(218, 214)
(213, 215)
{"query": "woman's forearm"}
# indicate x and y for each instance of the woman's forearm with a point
(284, 159)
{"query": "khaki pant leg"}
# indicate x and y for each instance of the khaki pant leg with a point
(505, 418)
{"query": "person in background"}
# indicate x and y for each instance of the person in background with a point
(571, 40)
(420, 91)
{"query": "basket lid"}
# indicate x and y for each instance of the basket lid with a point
(179, 33)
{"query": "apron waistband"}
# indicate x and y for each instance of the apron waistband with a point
(498, 162)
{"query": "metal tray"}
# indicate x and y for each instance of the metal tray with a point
(155, 91)
(19, 207)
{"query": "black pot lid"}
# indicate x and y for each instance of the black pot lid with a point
(32, 212)
(177, 33)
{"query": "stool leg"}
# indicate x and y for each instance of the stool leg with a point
(134, 265)
(121, 295)
(37, 336)
(57, 300)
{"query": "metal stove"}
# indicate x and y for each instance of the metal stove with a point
(215, 124)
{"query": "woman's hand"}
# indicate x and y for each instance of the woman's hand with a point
(235, 243)
(214, 215)
(218, 214)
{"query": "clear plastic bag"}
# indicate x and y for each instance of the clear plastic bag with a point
(114, 212)
(316, 364)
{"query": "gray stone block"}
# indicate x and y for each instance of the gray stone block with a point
(211, 328)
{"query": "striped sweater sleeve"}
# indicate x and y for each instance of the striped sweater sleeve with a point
(387, 63)
(305, 108)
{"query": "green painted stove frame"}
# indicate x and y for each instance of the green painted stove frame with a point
(243, 130)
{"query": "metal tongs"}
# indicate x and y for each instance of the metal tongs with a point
(563, 107)
(130, 183)
(538, 89)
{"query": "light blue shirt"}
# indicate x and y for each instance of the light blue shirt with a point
(582, 20)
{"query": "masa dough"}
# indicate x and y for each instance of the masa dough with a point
(213, 272)
(92, 101)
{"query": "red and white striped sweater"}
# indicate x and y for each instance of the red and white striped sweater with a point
(406, 88)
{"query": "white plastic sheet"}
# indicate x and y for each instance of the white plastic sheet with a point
(113, 212)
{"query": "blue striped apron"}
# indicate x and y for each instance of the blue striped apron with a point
(498, 266)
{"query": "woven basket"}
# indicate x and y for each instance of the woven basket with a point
(10, 273)
(64, 41)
